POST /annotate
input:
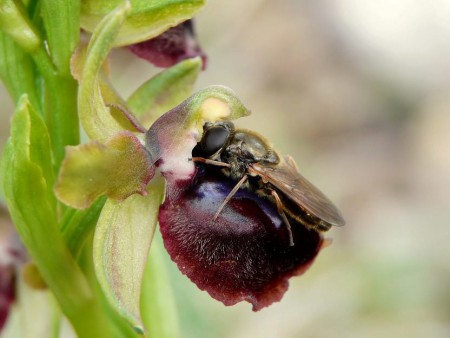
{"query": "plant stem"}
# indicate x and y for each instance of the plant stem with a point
(61, 113)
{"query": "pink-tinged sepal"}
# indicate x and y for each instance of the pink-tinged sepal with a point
(172, 137)
(174, 45)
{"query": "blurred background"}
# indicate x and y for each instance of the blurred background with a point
(358, 92)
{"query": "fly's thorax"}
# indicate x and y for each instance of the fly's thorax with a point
(250, 147)
(244, 148)
(238, 168)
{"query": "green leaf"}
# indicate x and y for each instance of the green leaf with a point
(158, 306)
(95, 116)
(31, 141)
(34, 215)
(117, 169)
(173, 136)
(164, 91)
(147, 19)
(62, 26)
(121, 243)
(17, 71)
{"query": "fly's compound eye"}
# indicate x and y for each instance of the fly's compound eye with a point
(214, 139)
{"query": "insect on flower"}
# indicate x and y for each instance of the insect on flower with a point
(247, 158)
(237, 219)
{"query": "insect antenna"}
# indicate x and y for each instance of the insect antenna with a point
(212, 162)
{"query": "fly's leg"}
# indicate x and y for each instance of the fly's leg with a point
(230, 195)
(283, 215)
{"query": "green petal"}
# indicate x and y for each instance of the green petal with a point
(147, 19)
(97, 119)
(121, 244)
(119, 116)
(164, 91)
(173, 136)
(117, 169)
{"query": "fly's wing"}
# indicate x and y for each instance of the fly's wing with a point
(285, 177)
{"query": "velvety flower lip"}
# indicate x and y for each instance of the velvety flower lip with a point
(174, 45)
(7, 292)
(245, 254)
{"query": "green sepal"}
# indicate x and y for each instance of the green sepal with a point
(119, 168)
(121, 243)
(146, 20)
(164, 91)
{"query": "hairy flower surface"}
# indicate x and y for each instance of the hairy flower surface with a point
(243, 255)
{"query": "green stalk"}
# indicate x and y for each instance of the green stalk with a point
(17, 70)
(61, 115)
(62, 25)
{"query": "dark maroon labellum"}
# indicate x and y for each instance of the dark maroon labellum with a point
(7, 292)
(12, 256)
(174, 45)
(244, 255)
